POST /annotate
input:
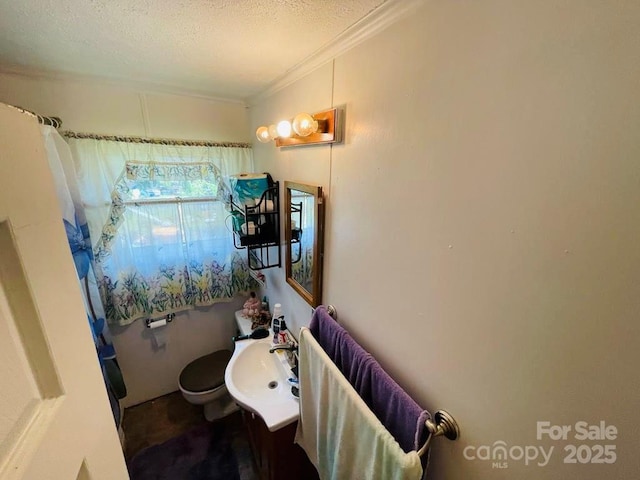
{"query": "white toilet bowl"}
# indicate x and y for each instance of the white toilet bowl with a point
(202, 383)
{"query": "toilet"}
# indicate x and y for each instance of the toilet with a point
(202, 383)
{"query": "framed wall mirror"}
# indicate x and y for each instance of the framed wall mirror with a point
(304, 233)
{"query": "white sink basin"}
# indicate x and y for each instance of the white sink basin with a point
(257, 380)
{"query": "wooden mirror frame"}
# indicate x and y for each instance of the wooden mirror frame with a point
(314, 297)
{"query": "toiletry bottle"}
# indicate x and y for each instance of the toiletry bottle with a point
(282, 335)
(275, 324)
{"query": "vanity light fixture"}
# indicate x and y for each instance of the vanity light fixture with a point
(304, 129)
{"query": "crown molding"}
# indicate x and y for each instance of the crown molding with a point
(138, 86)
(373, 23)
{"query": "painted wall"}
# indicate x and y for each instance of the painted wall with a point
(96, 107)
(310, 165)
(483, 223)
(116, 109)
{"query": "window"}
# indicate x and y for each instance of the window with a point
(164, 239)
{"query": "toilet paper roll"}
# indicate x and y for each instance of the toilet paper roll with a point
(249, 228)
(265, 205)
(157, 323)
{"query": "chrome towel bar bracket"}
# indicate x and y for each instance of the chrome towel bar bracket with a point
(444, 424)
(333, 313)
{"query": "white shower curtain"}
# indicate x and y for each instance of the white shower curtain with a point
(73, 215)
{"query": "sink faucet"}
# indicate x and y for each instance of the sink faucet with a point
(291, 350)
(284, 346)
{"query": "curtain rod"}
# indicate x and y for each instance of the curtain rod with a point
(154, 141)
(55, 122)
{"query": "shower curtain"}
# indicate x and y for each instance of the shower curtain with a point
(62, 167)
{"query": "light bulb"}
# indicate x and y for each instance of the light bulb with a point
(304, 124)
(273, 131)
(284, 129)
(263, 134)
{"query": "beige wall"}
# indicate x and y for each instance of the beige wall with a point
(116, 109)
(95, 107)
(305, 165)
(151, 372)
(482, 225)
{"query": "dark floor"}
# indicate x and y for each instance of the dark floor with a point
(158, 420)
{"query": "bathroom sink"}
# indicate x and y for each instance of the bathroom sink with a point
(257, 380)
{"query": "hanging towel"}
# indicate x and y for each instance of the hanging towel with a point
(340, 434)
(397, 411)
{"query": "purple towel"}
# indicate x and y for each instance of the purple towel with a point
(395, 409)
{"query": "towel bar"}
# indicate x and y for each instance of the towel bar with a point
(444, 424)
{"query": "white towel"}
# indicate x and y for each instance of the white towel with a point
(341, 435)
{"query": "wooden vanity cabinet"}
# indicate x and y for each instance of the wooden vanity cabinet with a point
(275, 455)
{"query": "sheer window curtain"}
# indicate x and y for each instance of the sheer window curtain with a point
(158, 214)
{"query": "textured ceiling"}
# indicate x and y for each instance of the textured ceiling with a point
(225, 48)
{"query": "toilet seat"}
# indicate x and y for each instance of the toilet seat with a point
(205, 373)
